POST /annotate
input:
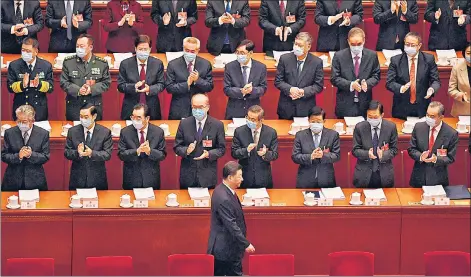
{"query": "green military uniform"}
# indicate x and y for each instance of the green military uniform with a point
(75, 73)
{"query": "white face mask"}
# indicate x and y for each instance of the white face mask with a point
(298, 51)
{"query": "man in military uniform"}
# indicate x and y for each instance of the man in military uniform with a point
(30, 78)
(84, 78)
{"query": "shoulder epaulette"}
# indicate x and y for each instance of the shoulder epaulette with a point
(70, 57)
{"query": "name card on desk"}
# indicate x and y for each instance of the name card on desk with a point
(325, 202)
(141, 203)
(28, 205)
(442, 201)
(262, 202)
(90, 203)
(201, 203)
(278, 204)
(372, 202)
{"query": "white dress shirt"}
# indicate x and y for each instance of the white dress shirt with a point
(33, 64)
(139, 65)
(301, 67)
(145, 133)
(202, 123)
(249, 67)
(258, 132)
(85, 130)
(285, 2)
(192, 65)
(71, 4)
(29, 133)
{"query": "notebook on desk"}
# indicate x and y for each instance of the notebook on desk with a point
(457, 192)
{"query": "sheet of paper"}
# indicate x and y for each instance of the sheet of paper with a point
(239, 121)
(89, 193)
(44, 124)
(227, 58)
(259, 193)
(198, 193)
(388, 54)
(29, 195)
(446, 54)
(352, 121)
(64, 55)
(415, 119)
(437, 190)
(302, 121)
(333, 193)
(173, 55)
(144, 193)
(118, 57)
(375, 194)
(465, 119)
(278, 54)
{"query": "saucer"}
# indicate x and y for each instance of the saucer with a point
(326, 65)
(115, 135)
(64, 134)
(248, 204)
(462, 132)
(310, 204)
(405, 131)
(342, 132)
(293, 133)
(75, 206)
(426, 203)
(356, 203)
(219, 66)
(172, 205)
(126, 206)
(229, 134)
(13, 207)
(57, 67)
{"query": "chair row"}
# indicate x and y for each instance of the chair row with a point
(345, 263)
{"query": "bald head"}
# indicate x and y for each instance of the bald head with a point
(200, 101)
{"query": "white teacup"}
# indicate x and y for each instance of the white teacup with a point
(350, 130)
(125, 199)
(13, 201)
(295, 127)
(165, 128)
(355, 197)
(5, 127)
(453, 61)
(108, 60)
(58, 61)
(218, 62)
(171, 199)
(443, 61)
(231, 128)
(65, 128)
(309, 198)
(8, 64)
(75, 200)
(461, 127)
(427, 199)
(247, 199)
(338, 127)
(116, 129)
(408, 126)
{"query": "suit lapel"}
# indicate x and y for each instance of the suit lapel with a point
(382, 135)
(135, 137)
(276, 8)
(240, 76)
(81, 135)
(95, 134)
(463, 75)
(369, 136)
(324, 139)
(362, 64)
(253, 70)
(404, 64)
(349, 59)
(149, 69)
(420, 68)
(288, 8)
(25, 10)
(206, 128)
(441, 137)
(306, 66)
(193, 129)
(184, 66)
(260, 142)
(310, 139)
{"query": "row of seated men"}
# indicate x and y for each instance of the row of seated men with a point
(281, 21)
(200, 142)
(412, 78)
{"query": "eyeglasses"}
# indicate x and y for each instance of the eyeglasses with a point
(411, 45)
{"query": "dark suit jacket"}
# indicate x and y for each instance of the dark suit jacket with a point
(88, 172)
(128, 76)
(311, 80)
(202, 172)
(270, 17)
(256, 170)
(55, 11)
(392, 25)
(333, 37)
(11, 44)
(216, 8)
(398, 75)
(121, 39)
(362, 142)
(29, 172)
(141, 171)
(176, 83)
(36, 97)
(430, 174)
(447, 34)
(170, 37)
(302, 150)
(227, 235)
(343, 74)
(233, 83)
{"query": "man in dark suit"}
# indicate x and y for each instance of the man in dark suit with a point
(355, 72)
(141, 147)
(245, 81)
(85, 77)
(227, 20)
(174, 18)
(374, 146)
(316, 150)
(255, 145)
(187, 76)
(200, 143)
(448, 20)
(30, 79)
(335, 19)
(67, 20)
(141, 79)
(393, 18)
(20, 20)
(433, 147)
(227, 236)
(25, 150)
(281, 22)
(413, 79)
(299, 77)
(88, 146)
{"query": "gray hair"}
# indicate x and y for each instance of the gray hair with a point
(304, 36)
(192, 40)
(414, 35)
(356, 31)
(26, 110)
(435, 104)
(257, 110)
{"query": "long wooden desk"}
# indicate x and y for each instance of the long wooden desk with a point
(283, 169)
(396, 232)
(112, 99)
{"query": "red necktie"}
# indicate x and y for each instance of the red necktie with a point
(431, 141)
(142, 140)
(413, 86)
(190, 64)
(282, 7)
(142, 77)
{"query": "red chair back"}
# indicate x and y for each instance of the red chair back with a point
(271, 265)
(30, 267)
(371, 33)
(447, 263)
(110, 266)
(190, 265)
(351, 263)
